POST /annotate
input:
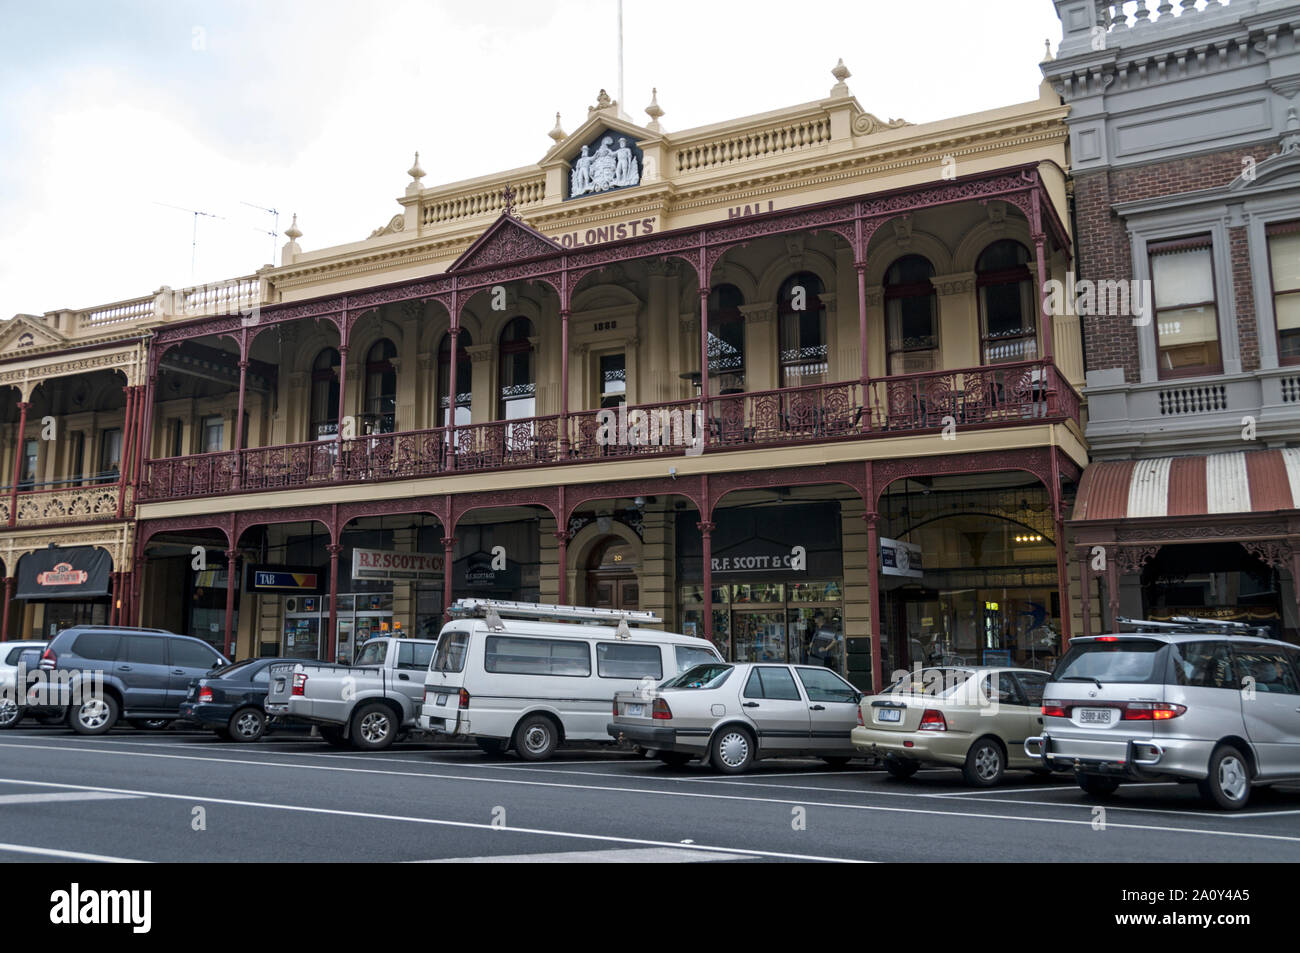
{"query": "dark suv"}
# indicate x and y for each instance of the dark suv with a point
(146, 674)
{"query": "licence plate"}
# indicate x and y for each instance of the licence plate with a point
(440, 700)
(279, 684)
(889, 714)
(634, 711)
(1094, 716)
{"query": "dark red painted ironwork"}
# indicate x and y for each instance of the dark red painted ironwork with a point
(18, 461)
(944, 401)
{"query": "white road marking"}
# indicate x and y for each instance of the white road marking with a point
(634, 855)
(437, 822)
(594, 787)
(67, 854)
(60, 796)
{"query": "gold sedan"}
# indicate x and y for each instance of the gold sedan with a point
(975, 719)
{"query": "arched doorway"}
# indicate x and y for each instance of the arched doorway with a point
(611, 575)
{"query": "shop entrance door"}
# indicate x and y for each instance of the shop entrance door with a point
(611, 576)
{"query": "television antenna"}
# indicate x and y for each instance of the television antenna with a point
(194, 240)
(275, 234)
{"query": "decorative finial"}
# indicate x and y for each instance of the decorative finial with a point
(415, 172)
(1047, 50)
(841, 73)
(603, 102)
(557, 133)
(654, 111)
(292, 232)
(509, 196)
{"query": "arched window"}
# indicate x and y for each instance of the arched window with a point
(801, 320)
(1009, 329)
(381, 388)
(324, 414)
(911, 323)
(726, 340)
(518, 371)
(464, 380)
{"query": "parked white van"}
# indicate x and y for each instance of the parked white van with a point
(529, 676)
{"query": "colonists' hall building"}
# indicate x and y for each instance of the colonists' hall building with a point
(773, 377)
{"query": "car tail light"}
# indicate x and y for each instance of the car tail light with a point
(300, 683)
(463, 700)
(1055, 710)
(49, 659)
(861, 723)
(1107, 638)
(1151, 711)
(615, 707)
(661, 710)
(932, 720)
(205, 694)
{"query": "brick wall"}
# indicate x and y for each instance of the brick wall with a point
(1103, 246)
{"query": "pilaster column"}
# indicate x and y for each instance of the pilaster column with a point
(448, 549)
(231, 556)
(706, 534)
(329, 637)
(562, 558)
(7, 609)
(873, 574)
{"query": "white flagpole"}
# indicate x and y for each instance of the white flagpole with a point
(620, 57)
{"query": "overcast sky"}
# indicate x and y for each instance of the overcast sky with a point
(111, 111)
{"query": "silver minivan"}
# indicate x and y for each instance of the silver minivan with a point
(1192, 699)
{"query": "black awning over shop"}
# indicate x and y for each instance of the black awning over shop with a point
(78, 572)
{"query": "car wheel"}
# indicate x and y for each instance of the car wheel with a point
(148, 724)
(536, 738)
(10, 713)
(836, 760)
(374, 727)
(334, 737)
(1228, 784)
(674, 759)
(732, 750)
(901, 768)
(94, 716)
(491, 745)
(247, 724)
(1096, 785)
(985, 763)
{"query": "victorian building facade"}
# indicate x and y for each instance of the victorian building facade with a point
(774, 377)
(1185, 149)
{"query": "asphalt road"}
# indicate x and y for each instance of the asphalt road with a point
(186, 796)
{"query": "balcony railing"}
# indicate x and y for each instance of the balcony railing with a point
(1002, 395)
(83, 504)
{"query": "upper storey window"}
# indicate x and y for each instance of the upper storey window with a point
(381, 387)
(1009, 330)
(464, 379)
(1186, 317)
(518, 371)
(1284, 263)
(325, 394)
(727, 338)
(805, 357)
(912, 330)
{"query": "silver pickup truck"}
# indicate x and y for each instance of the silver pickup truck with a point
(366, 704)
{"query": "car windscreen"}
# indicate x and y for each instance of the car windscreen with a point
(1134, 661)
(930, 681)
(238, 668)
(689, 655)
(700, 676)
(450, 654)
(373, 653)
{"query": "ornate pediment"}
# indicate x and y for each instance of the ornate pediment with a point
(24, 333)
(506, 240)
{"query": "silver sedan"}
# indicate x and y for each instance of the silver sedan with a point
(733, 715)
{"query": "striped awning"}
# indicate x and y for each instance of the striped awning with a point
(1248, 481)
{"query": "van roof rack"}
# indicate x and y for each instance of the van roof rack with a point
(1186, 623)
(495, 609)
